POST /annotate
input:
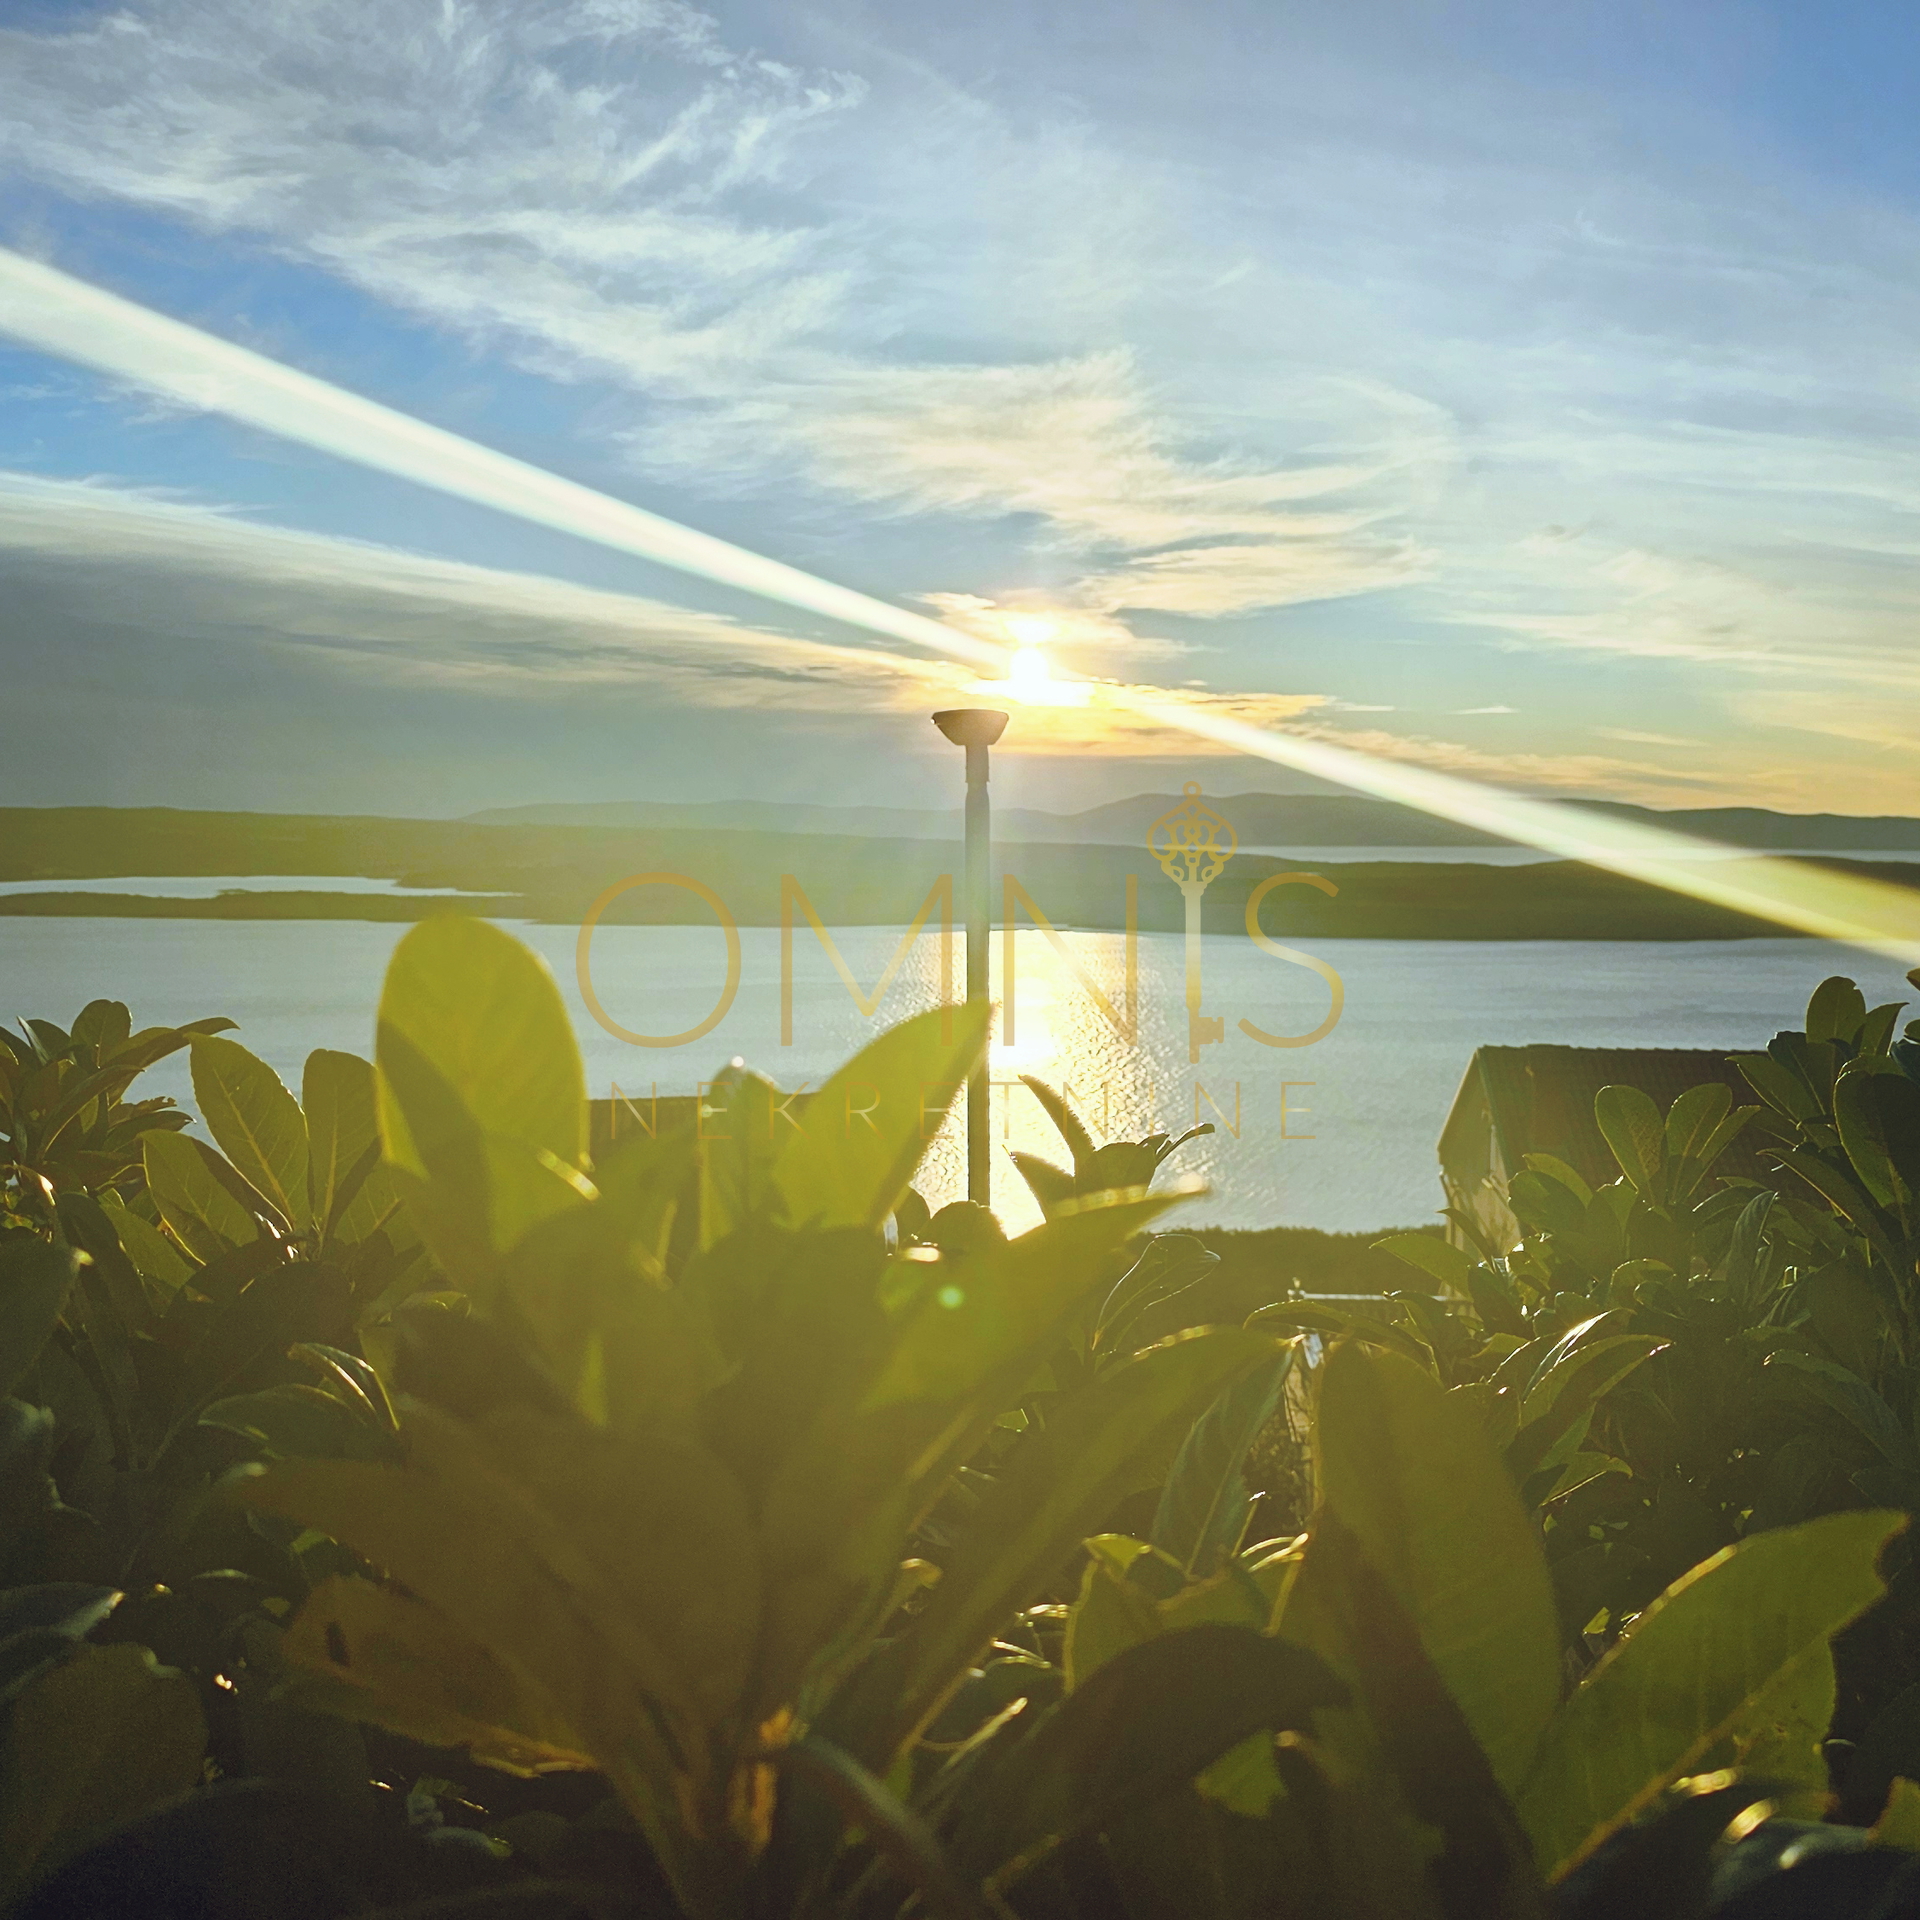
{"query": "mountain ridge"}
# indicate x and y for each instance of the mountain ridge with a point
(1260, 819)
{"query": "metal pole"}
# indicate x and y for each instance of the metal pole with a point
(979, 923)
(976, 729)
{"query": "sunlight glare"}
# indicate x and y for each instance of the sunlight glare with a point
(1030, 630)
(1030, 678)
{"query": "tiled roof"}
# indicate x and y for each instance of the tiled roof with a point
(1541, 1098)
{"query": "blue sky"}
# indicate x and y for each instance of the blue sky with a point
(1526, 392)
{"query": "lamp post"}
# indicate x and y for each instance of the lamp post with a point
(976, 729)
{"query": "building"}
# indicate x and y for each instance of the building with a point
(1514, 1101)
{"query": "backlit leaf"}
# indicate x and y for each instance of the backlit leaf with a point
(1633, 1128)
(202, 1213)
(368, 1653)
(154, 1256)
(483, 1107)
(863, 1134)
(1691, 1672)
(256, 1122)
(1059, 1483)
(1410, 1472)
(1146, 1721)
(339, 1096)
(1204, 1505)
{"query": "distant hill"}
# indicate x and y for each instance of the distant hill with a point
(1260, 819)
(753, 816)
(556, 872)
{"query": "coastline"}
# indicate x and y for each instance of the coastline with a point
(1074, 887)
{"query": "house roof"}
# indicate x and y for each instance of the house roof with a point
(1540, 1099)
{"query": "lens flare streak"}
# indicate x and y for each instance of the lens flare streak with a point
(73, 320)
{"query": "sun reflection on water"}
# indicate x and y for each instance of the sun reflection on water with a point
(1063, 1038)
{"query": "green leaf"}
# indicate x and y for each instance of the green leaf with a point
(894, 1830)
(595, 1563)
(1899, 1821)
(1048, 1185)
(1876, 1031)
(483, 1107)
(1003, 1303)
(1585, 1367)
(1705, 1153)
(297, 1421)
(256, 1122)
(480, 1547)
(1205, 1504)
(1695, 1117)
(1878, 1115)
(204, 1216)
(102, 1023)
(1060, 1481)
(1451, 1266)
(1780, 1087)
(1782, 1739)
(34, 1278)
(1693, 1670)
(1168, 1265)
(339, 1094)
(737, 1136)
(1148, 1720)
(869, 1127)
(95, 1742)
(1555, 1168)
(283, 1305)
(370, 1654)
(1840, 1193)
(348, 1377)
(628, 1351)
(1632, 1127)
(1409, 1471)
(1747, 1251)
(1443, 1831)
(1835, 1010)
(1854, 1401)
(1079, 1142)
(484, 1013)
(1569, 1391)
(154, 1256)
(1109, 1616)
(1312, 1316)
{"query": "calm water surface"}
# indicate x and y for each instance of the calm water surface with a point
(1362, 1106)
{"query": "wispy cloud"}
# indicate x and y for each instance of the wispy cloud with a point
(1573, 773)
(606, 191)
(1841, 715)
(170, 568)
(1633, 737)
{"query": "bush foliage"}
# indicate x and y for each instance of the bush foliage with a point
(399, 1507)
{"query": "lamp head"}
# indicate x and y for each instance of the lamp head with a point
(971, 726)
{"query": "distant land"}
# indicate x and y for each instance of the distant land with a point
(555, 873)
(1260, 819)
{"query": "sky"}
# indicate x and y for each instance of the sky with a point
(1523, 392)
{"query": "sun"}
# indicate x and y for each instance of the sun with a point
(1029, 672)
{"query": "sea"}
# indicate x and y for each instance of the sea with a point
(1336, 1066)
